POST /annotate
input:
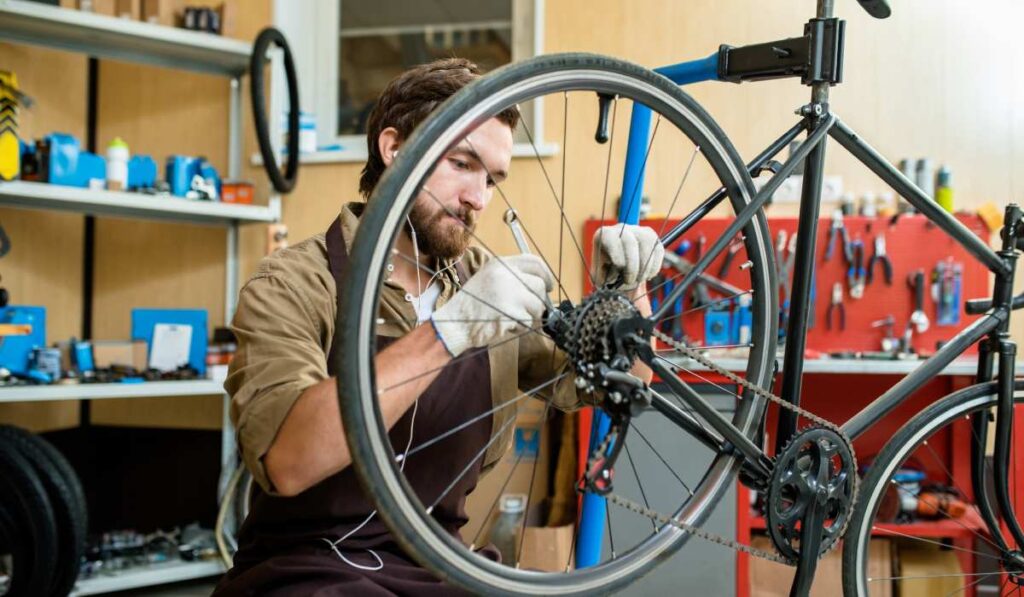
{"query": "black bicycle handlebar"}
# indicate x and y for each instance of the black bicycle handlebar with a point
(879, 9)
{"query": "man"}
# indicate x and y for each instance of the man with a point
(310, 530)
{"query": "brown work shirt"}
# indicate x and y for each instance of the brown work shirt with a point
(285, 321)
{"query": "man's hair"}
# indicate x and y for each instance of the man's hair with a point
(408, 99)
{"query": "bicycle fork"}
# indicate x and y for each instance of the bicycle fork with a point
(999, 342)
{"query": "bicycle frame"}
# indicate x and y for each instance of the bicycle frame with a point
(819, 123)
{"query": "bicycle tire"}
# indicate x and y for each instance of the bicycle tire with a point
(67, 499)
(282, 182)
(34, 542)
(895, 452)
(373, 460)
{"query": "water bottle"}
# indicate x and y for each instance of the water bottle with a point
(505, 534)
(117, 165)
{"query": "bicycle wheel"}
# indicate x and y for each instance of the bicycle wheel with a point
(687, 158)
(911, 481)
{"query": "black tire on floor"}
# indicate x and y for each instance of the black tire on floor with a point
(67, 499)
(32, 533)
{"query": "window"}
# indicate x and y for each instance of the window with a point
(347, 50)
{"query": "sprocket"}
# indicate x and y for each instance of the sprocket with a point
(795, 482)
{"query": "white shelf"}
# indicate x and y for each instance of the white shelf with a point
(98, 391)
(122, 39)
(145, 576)
(36, 195)
(842, 366)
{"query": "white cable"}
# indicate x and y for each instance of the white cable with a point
(401, 457)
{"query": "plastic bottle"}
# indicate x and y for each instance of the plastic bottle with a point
(943, 190)
(926, 177)
(117, 165)
(505, 534)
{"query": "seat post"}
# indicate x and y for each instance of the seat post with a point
(825, 9)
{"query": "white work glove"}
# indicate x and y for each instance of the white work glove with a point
(622, 250)
(503, 297)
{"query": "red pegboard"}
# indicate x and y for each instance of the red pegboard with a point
(912, 243)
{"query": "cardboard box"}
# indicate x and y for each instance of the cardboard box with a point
(532, 440)
(929, 570)
(547, 548)
(769, 579)
(106, 353)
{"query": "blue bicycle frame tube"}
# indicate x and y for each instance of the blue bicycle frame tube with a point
(592, 517)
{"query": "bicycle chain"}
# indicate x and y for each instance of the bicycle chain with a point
(712, 537)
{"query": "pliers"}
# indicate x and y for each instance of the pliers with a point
(880, 256)
(855, 274)
(836, 306)
(837, 226)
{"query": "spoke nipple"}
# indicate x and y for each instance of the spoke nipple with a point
(430, 510)
(746, 265)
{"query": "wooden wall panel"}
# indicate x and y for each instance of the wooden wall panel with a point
(44, 266)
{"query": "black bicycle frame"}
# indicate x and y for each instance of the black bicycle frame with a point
(819, 122)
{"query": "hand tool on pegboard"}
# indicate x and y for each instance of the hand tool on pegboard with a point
(836, 309)
(880, 256)
(838, 228)
(855, 274)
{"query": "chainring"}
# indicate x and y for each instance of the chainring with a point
(793, 485)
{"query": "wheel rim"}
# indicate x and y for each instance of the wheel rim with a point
(915, 451)
(406, 178)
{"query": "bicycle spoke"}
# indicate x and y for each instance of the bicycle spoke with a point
(640, 484)
(965, 587)
(643, 170)
(468, 354)
(950, 518)
(875, 528)
(706, 348)
(926, 576)
(611, 536)
(551, 186)
(945, 470)
(487, 248)
(698, 376)
(478, 456)
(494, 504)
(561, 199)
(522, 221)
(672, 206)
(533, 479)
(528, 394)
(636, 428)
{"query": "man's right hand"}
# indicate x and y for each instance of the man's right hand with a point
(506, 295)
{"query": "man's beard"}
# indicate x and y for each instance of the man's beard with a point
(439, 237)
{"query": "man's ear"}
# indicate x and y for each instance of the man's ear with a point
(387, 143)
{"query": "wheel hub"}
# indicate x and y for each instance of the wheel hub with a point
(816, 465)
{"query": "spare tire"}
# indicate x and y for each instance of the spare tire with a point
(31, 533)
(67, 500)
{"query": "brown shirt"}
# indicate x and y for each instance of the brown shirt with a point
(285, 321)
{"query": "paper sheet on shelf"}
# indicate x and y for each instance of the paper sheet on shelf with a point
(170, 348)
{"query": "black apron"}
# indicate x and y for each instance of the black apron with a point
(281, 543)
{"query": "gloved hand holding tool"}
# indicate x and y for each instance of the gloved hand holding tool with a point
(505, 295)
(627, 253)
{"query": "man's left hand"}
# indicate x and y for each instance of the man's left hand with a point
(631, 253)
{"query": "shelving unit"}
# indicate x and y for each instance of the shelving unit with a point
(147, 576)
(143, 43)
(99, 391)
(34, 195)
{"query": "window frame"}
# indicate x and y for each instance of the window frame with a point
(314, 39)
